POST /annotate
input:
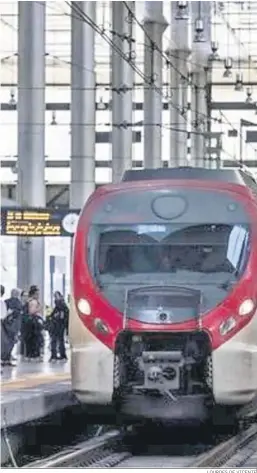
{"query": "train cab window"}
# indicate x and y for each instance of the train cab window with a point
(173, 248)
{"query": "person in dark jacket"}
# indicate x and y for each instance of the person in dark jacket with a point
(3, 312)
(24, 317)
(57, 325)
(11, 325)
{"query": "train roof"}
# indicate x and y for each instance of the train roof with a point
(232, 176)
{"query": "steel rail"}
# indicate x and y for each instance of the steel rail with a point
(220, 454)
(101, 452)
(86, 453)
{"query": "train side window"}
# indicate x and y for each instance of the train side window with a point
(236, 243)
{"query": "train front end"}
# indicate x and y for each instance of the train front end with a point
(164, 311)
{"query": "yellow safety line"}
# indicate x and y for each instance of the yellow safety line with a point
(33, 380)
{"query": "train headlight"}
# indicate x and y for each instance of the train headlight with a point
(227, 325)
(246, 307)
(84, 307)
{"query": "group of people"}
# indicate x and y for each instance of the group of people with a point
(23, 319)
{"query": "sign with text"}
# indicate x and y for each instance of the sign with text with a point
(38, 222)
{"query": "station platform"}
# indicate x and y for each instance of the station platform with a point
(33, 390)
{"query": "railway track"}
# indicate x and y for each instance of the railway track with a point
(110, 450)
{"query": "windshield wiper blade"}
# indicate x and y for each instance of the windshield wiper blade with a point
(226, 284)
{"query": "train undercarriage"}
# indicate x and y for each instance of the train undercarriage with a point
(163, 376)
(168, 378)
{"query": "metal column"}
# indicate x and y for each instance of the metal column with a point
(198, 119)
(122, 85)
(201, 51)
(82, 106)
(155, 25)
(31, 135)
(179, 88)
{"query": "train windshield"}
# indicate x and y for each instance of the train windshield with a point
(176, 252)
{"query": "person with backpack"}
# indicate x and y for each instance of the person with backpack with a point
(57, 324)
(24, 318)
(10, 326)
(3, 313)
(3, 304)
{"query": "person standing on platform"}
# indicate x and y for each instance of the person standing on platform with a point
(34, 328)
(57, 325)
(24, 319)
(11, 326)
(24, 297)
(3, 314)
(67, 330)
(34, 294)
(3, 304)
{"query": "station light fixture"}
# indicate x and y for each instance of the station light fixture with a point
(53, 121)
(182, 11)
(228, 64)
(101, 105)
(12, 100)
(249, 93)
(199, 31)
(239, 82)
(214, 48)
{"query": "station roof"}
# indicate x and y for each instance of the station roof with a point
(234, 26)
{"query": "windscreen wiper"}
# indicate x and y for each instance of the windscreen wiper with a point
(226, 284)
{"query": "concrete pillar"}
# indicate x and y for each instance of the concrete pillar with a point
(82, 107)
(179, 88)
(155, 25)
(31, 135)
(122, 83)
(201, 51)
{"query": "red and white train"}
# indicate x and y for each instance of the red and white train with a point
(164, 295)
